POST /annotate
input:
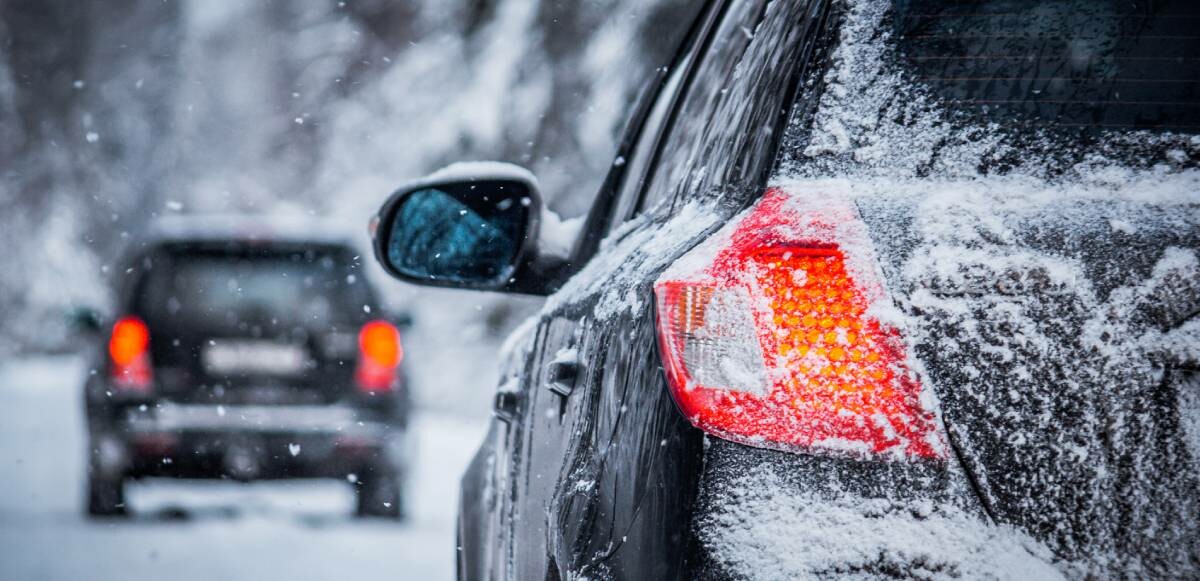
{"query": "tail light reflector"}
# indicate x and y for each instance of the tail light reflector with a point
(129, 355)
(771, 336)
(379, 354)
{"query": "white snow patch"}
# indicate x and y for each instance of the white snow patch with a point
(628, 257)
(558, 236)
(1122, 226)
(765, 529)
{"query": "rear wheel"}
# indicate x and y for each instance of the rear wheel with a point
(106, 496)
(379, 495)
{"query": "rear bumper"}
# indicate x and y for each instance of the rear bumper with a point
(324, 419)
(773, 515)
(250, 442)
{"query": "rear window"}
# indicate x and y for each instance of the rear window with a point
(245, 288)
(1091, 64)
(1077, 90)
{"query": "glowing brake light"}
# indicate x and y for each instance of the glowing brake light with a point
(771, 336)
(379, 354)
(129, 355)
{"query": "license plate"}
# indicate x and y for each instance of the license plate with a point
(254, 358)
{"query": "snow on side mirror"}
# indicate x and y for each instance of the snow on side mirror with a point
(468, 226)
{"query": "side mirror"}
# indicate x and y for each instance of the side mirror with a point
(469, 226)
(85, 320)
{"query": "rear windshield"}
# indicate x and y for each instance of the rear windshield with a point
(1096, 64)
(245, 288)
(1048, 89)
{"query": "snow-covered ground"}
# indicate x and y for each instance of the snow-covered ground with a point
(204, 530)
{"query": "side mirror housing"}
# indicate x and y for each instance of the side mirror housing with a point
(469, 226)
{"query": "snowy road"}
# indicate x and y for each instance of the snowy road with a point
(203, 530)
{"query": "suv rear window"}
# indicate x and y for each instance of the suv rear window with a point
(247, 287)
(1100, 64)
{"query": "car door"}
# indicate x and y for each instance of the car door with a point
(486, 525)
(558, 361)
(608, 467)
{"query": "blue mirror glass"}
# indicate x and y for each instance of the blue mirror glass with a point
(468, 233)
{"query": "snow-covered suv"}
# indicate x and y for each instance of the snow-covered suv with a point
(877, 289)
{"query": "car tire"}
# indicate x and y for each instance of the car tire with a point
(106, 497)
(379, 495)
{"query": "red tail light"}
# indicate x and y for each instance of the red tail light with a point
(129, 355)
(379, 354)
(773, 334)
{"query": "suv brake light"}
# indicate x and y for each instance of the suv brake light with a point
(379, 354)
(771, 335)
(129, 354)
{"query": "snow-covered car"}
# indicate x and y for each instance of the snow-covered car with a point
(874, 289)
(247, 349)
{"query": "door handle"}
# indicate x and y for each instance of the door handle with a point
(505, 405)
(563, 372)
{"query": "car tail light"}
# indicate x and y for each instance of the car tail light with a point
(379, 354)
(773, 334)
(129, 355)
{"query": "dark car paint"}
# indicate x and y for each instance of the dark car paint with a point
(603, 482)
(130, 418)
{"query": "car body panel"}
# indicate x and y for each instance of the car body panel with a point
(1043, 326)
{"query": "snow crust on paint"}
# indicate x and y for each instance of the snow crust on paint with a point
(765, 529)
(566, 355)
(1050, 369)
(629, 257)
(1189, 402)
(1044, 296)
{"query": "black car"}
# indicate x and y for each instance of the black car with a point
(874, 289)
(247, 349)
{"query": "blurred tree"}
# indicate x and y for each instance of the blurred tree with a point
(113, 112)
(87, 91)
